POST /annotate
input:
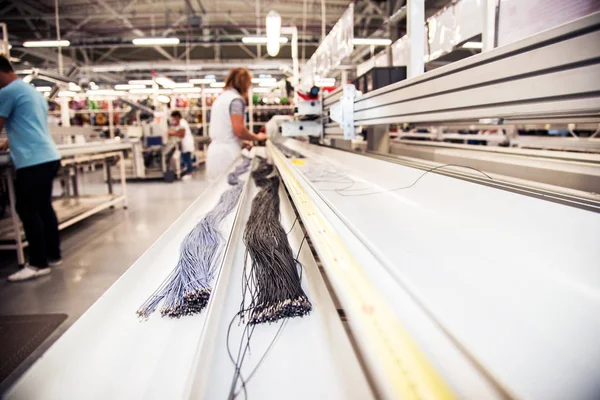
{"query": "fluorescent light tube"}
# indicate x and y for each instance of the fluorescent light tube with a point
(273, 25)
(217, 85)
(187, 90)
(261, 39)
(150, 91)
(108, 68)
(141, 82)
(47, 43)
(108, 92)
(182, 85)
(369, 41)
(165, 82)
(261, 80)
(202, 81)
(127, 87)
(156, 41)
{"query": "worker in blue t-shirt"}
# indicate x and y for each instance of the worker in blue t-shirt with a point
(24, 112)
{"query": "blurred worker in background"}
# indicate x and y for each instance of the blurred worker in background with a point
(24, 113)
(228, 124)
(181, 129)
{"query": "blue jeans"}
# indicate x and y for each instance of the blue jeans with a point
(186, 159)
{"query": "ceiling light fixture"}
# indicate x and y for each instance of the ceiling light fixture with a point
(261, 39)
(141, 82)
(187, 90)
(261, 80)
(202, 81)
(108, 68)
(130, 86)
(473, 45)
(43, 88)
(150, 91)
(74, 87)
(182, 85)
(217, 85)
(105, 92)
(370, 41)
(155, 41)
(47, 43)
(273, 24)
(165, 82)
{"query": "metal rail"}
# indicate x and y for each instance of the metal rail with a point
(555, 73)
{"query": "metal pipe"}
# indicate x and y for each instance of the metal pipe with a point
(323, 21)
(57, 23)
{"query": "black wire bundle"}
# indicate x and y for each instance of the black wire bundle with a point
(261, 171)
(274, 285)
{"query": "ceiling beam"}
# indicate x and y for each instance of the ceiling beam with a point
(174, 25)
(105, 55)
(164, 53)
(135, 31)
(78, 26)
(27, 19)
(202, 8)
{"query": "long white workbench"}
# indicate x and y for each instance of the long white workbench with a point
(73, 207)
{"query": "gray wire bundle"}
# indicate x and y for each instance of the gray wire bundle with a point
(233, 177)
(187, 289)
(272, 281)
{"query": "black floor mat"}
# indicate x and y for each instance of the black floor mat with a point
(20, 335)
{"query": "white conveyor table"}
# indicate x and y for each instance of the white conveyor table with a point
(501, 291)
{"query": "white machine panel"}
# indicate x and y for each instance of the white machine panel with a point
(302, 128)
(308, 107)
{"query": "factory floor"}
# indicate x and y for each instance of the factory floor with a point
(96, 252)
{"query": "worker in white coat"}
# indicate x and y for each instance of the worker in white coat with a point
(227, 124)
(181, 129)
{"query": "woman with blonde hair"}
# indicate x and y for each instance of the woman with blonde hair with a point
(227, 123)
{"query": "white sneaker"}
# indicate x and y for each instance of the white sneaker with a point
(55, 263)
(186, 177)
(28, 272)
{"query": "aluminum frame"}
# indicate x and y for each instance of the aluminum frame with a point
(553, 73)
